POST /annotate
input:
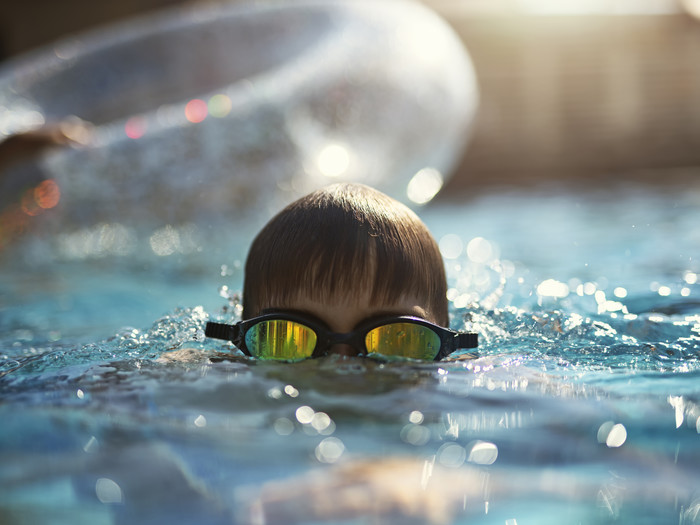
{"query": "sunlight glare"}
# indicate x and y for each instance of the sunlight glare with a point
(334, 160)
(552, 288)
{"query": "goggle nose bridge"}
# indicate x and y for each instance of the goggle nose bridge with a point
(333, 338)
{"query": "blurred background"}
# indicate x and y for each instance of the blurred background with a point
(571, 90)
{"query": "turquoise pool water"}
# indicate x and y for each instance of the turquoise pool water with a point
(582, 407)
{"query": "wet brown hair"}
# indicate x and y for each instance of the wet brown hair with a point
(338, 240)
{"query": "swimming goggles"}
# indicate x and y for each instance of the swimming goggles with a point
(287, 336)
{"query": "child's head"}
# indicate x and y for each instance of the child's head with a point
(343, 249)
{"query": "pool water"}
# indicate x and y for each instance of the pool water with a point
(583, 405)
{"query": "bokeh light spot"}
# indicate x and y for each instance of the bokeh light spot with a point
(451, 455)
(612, 434)
(620, 292)
(304, 414)
(451, 246)
(165, 241)
(479, 250)
(334, 160)
(284, 426)
(291, 391)
(483, 453)
(415, 434)
(329, 450)
(29, 204)
(47, 194)
(424, 185)
(135, 127)
(552, 288)
(219, 106)
(416, 417)
(196, 110)
(108, 491)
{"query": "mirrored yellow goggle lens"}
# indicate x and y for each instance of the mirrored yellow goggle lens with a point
(403, 339)
(280, 339)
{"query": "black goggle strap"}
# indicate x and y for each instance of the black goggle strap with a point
(227, 332)
(466, 340)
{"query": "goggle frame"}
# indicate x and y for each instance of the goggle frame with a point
(450, 340)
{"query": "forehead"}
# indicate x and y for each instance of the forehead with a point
(343, 313)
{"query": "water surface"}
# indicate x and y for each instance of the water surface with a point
(583, 405)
